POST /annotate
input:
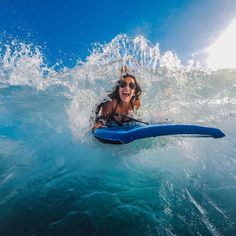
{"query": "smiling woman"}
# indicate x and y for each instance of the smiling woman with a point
(222, 53)
(57, 179)
(124, 98)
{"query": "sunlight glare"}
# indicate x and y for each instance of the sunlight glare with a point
(222, 53)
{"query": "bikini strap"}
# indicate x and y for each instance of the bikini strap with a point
(110, 118)
(115, 107)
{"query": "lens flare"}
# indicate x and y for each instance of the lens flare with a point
(222, 53)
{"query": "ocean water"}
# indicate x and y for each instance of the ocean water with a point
(56, 179)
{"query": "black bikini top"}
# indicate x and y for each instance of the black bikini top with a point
(110, 119)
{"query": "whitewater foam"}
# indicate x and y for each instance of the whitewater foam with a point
(171, 90)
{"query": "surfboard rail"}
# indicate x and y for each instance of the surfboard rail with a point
(127, 134)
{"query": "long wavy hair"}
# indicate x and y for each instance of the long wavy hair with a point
(114, 94)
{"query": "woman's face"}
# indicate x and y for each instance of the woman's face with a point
(126, 89)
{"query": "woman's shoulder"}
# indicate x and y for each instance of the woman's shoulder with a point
(112, 102)
(110, 105)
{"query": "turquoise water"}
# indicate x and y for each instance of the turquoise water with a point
(56, 179)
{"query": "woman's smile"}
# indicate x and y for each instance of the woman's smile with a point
(126, 92)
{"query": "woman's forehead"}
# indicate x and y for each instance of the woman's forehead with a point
(129, 79)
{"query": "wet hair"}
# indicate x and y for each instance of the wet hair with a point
(115, 94)
(115, 91)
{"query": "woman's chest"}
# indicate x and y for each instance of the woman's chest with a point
(120, 112)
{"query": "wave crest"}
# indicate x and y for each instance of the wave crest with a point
(171, 90)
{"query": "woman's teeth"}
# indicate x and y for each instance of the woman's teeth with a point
(126, 94)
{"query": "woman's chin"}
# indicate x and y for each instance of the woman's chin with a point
(125, 99)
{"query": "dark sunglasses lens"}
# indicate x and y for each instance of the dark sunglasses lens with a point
(122, 84)
(132, 86)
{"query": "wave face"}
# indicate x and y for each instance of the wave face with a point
(57, 180)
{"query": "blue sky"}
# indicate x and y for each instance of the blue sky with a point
(68, 28)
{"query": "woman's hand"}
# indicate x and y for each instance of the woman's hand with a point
(98, 125)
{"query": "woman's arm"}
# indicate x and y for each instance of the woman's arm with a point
(106, 110)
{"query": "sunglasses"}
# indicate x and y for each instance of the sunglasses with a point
(123, 84)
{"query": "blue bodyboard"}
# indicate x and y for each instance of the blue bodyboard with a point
(129, 133)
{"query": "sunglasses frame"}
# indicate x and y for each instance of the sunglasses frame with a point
(131, 85)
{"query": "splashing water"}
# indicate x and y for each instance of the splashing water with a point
(56, 179)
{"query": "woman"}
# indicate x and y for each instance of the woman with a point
(125, 98)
